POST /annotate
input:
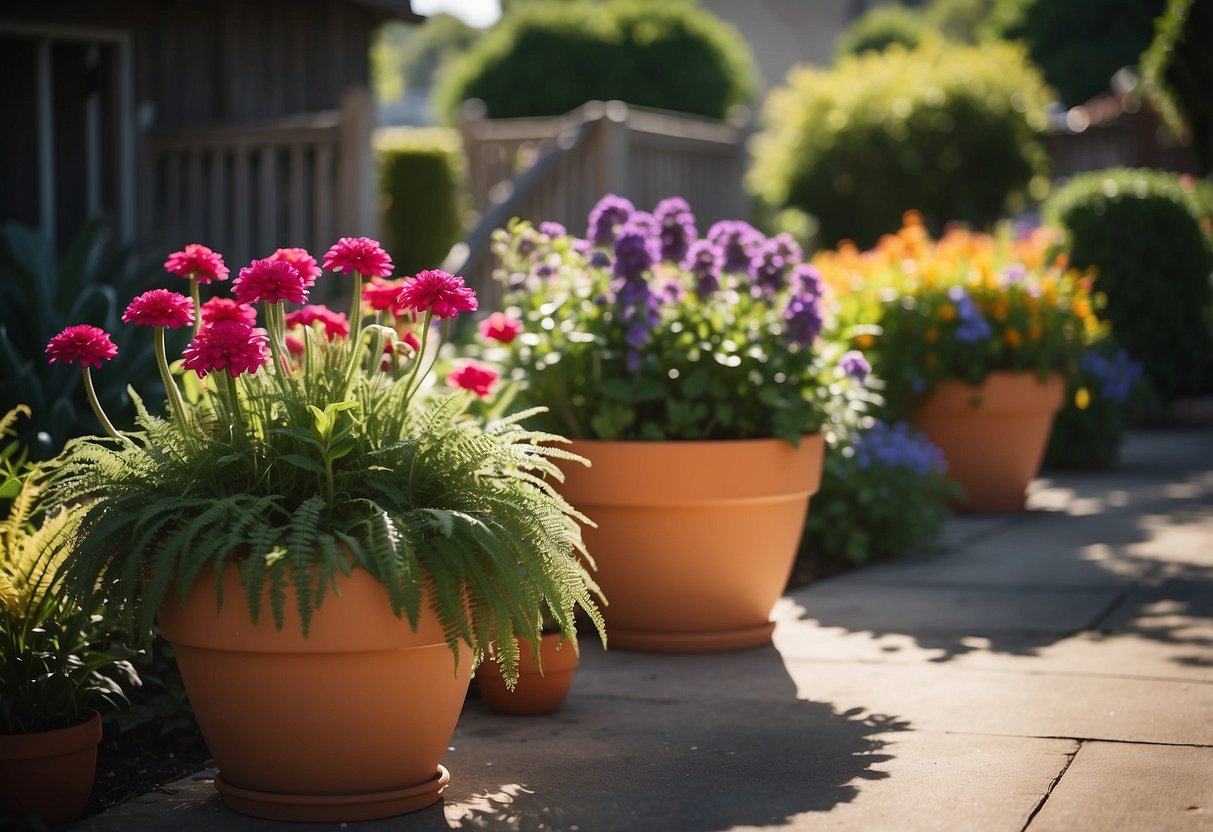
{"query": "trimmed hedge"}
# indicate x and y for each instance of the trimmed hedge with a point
(949, 130)
(420, 180)
(880, 28)
(1141, 229)
(548, 59)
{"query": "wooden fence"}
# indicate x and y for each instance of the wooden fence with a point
(558, 168)
(246, 190)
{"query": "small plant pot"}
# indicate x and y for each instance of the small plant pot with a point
(536, 692)
(49, 774)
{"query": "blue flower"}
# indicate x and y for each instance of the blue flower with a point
(1116, 375)
(898, 446)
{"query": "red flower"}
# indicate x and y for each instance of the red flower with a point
(226, 309)
(410, 338)
(500, 327)
(270, 281)
(197, 261)
(85, 345)
(336, 325)
(438, 291)
(231, 345)
(381, 295)
(160, 307)
(294, 344)
(474, 377)
(358, 254)
(302, 261)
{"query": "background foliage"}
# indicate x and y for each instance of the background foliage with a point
(420, 190)
(1179, 70)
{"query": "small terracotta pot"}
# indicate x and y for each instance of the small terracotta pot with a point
(536, 692)
(347, 724)
(49, 774)
(695, 540)
(993, 435)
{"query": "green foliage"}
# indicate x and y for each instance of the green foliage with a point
(408, 57)
(949, 130)
(57, 659)
(420, 185)
(884, 494)
(547, 59)
(1178, 68)
(41, 294)
(1104, 394)
(1140, 230)
(1080, 44)
(881, 27)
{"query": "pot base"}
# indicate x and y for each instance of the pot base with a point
(333, 808)
(672, 642)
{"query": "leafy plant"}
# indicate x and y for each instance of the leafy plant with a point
(644, 332)
(41, 294)
(420, 232)
(57, 659)
(299, 470)
(1107, 392)
(881, 27)
(884, 494)
(1179, 74)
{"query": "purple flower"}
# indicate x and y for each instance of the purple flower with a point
(973, 326)
(897, 446)
(739, 241)
(776, 257)
(1014, 273)
(802, 318)
(1116, 375)
(635, 251)
(704, 261)
(807, 278)
(600, 259)
(552, 229)
(677, 228)
(854, 365)
(610, 212)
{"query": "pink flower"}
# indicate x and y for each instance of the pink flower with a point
(197, 261)
(294, 344)
(500, 327)
(438, 291)
(474, 377)
(410, 338)
(336, 324)
(270, 281)
(160, 307)
(381, 295)
(230, 345)
(302, 261)
(358, 254)
(226, 309)
(85, 345)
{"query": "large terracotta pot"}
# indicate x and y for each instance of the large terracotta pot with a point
(993, 435)
(347, 724)
(49, 774)
(536, 693)
(695, 541)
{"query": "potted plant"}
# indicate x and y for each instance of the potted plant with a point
(974, 336)
(545, 675)
(689, 372)
(326, 540)
(57, 660)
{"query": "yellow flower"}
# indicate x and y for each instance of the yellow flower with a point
(1082, 307)
(1082, 399)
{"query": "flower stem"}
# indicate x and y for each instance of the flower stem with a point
(356, 309)
(96, 404)
(175, 401)
(197, 297)
(425, 335)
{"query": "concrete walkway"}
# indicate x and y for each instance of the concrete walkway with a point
(1052, 671)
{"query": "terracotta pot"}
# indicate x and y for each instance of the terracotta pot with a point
(536, 692)
(993, 435)
(695, 540)
(347, 724)
(49, 774)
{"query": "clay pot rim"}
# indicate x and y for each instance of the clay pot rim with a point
(73, 738)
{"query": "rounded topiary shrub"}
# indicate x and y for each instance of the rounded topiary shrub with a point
(546, 59)
(420, 176)
(1141, 230)
(880, 28)
(952, 131)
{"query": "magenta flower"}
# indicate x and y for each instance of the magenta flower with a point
(198, 262)
(474, 377)
(85, 345)
(336, 324)
(443, 294)
(500, 327)
(270, 281)
(302, 261)
(358, 254)
(160, 307)
(231, 345)
(381, 295)
(226, 309)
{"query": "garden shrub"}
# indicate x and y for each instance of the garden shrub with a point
(1141, 230)
(949, 130)
(880, 28)
(1178, 68)
(420, 180)
(1101, 398)
(547, 59)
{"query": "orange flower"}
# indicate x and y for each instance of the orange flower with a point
(1012, 338)
(947, 312)
(932, 335)
(864, 340)
(1034, 331)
